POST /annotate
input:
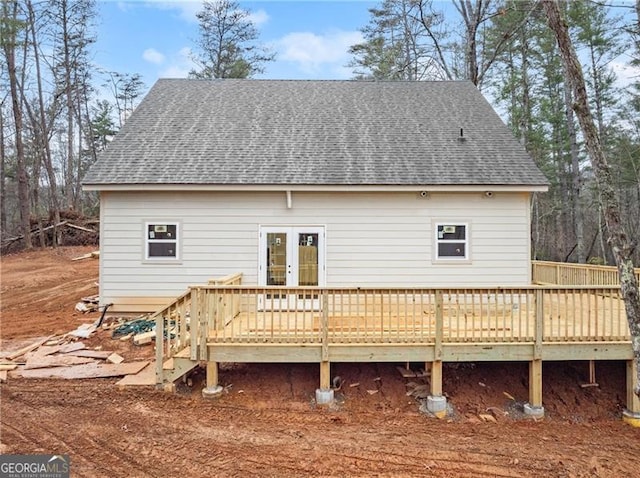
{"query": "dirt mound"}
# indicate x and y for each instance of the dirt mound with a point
(266, 423)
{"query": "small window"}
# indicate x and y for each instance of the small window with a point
(162, 240)
(452, 242)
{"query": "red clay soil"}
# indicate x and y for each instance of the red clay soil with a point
(266, 424)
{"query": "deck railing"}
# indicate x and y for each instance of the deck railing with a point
(175, 329)
(224, 312)
(304, 315)
(562, 273)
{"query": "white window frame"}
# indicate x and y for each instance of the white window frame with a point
(466, 241)
(177, 240)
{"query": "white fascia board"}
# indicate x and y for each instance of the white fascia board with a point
(315, 188)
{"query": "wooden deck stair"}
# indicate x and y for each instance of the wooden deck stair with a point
(178, 366)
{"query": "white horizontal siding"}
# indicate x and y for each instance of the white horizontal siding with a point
(372, 239)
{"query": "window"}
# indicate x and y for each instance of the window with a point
(452, 241)
(161, 240)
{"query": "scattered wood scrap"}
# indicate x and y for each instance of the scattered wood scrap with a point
(27, 349)
(144, 338)
(146, 377)
(115, 358)
(96, 354)
(72, 347)
(89, 370)
(83, 331)
(88, 304)
(3, 376)
(90, 255)
(8, 366)
(55, 361)
(408, 373)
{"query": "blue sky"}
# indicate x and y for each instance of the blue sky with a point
(311, 38)
(153, 38)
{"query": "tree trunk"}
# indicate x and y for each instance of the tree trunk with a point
(9, 45)
(3, 200)
(620, 242)
(575, 175)
(43, 131)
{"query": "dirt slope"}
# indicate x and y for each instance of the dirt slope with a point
(266, 425)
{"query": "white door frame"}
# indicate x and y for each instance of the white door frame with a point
(292, 262)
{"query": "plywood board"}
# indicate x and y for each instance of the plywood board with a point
(98, 354)
(146, 377)
(55, 361)
(72, 347)
(91, 370)
(28, 348)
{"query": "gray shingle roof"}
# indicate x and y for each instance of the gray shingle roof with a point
(281, 132)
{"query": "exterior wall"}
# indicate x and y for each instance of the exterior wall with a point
(372, 239)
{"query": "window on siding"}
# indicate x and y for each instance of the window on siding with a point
(452, 241)
(162, 240)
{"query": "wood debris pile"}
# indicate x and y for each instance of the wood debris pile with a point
(65, 357)
(73, 229)
(88, 304)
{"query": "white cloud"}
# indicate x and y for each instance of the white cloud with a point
(258, 17)
(626, 74)
(187, 9)
(313, 53)
(178, 65)
(153, 56)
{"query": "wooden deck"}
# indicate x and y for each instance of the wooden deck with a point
(218, 320)
(225, 321)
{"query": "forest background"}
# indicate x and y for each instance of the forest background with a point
(58, 110)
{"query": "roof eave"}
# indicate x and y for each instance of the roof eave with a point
(320, 187)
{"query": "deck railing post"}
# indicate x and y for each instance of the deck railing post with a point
(439, 325)
(203, 326)
(325, 329)
(159, 349)
(194, 322)
(539, 324)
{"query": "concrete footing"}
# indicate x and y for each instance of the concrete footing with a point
(212, 392)
(632, 418)
(437, 405)
(324, 396)
(533, 411)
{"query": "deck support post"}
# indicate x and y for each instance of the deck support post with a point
(436, 402)
(534, 408)
(631, 414)
(212, 390)
(324, 394)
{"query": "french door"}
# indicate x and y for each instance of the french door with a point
(291, 256)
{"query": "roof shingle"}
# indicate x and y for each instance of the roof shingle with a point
(288, 132)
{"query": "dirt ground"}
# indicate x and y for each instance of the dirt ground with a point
(266, 424)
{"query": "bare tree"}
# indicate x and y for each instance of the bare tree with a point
(620, 242)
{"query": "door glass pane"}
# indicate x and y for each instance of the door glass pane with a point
(307, 259)
(276, 258)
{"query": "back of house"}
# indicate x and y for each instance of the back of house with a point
(311, 183)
